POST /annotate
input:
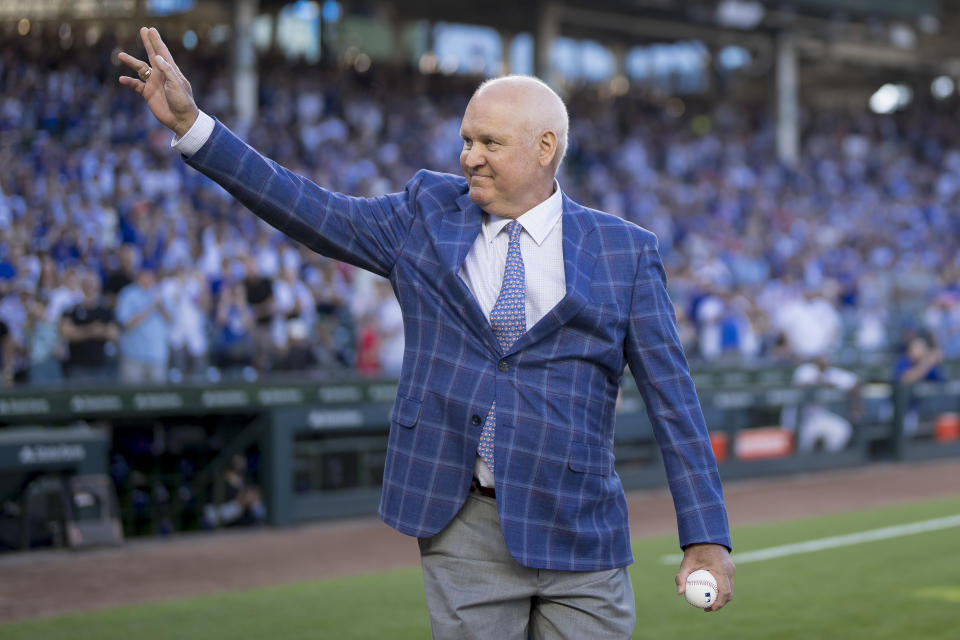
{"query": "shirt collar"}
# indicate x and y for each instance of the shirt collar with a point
(538, 221)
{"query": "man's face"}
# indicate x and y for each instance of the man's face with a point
(917, 349)
(91, 288)
(146, 279)
(499, 156)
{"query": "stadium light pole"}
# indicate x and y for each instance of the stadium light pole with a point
(245, 61)
(548, 28)
(506, 44)
(787, 118)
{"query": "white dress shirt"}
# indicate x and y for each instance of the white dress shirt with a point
(541, 246)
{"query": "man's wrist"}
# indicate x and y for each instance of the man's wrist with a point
(692, 545)
(196, 136)
(182, 130)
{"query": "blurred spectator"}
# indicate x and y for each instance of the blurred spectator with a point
(121, 270)
(810, 325)
(942, 320)
(725, 329)
(14, 310)
(187, 302)
(259, 290)
(334, 322)
(45, 349)
(65, 295)
(298, 354)
(90, 332)
(709, 318)
(871, 330)
(234, 327)
(9, 259)
(243, 503)
(368, 348)
(817, 427)
(143, 320)
(920, 362)
(389, 323)
(292, 304)
(688, 333)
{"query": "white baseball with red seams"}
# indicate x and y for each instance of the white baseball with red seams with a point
(701, 589)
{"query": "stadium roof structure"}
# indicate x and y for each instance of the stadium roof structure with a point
(842, 50)
(845, 46)
(830, 52)
(888, 33)
(891, 34)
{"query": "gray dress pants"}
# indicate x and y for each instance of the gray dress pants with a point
(476, 590)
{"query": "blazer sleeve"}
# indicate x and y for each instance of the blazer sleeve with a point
(366, 232)
(660, 370)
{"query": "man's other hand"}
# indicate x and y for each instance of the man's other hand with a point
(714, 558)
(163, 87)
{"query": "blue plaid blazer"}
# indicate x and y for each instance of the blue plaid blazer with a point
(560, 501)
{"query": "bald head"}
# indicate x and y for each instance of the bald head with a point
(537, 107)
(514, 134)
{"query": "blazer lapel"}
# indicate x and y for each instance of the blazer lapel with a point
(581, 246)
(458, 231)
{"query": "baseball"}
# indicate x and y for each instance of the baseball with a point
(701, 589)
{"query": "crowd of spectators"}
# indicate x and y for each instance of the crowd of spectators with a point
(116, 259)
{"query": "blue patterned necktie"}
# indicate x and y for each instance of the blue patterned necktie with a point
(509, 320)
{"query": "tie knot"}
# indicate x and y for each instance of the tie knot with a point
(513, 230)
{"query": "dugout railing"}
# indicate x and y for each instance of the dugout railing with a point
(320, 444)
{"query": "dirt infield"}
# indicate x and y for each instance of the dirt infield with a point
(46, 583)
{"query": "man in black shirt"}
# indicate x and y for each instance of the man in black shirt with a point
(89, 329)
(121, 272)
(260, 298)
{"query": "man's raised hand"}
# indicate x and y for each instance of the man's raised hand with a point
(163, 87)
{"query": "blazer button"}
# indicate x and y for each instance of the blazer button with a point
(475, 419)
(503, 365)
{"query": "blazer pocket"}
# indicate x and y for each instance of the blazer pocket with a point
(585, 458)
(406, 411)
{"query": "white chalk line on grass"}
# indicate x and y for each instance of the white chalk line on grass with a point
(833, 542)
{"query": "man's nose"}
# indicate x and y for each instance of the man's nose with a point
(474, 157)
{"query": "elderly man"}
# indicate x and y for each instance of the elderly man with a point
(521, 309)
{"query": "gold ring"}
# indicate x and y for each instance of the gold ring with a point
(146, 74)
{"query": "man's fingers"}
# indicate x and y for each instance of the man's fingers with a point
(141, 68)
(160, 48)
(133, 83)
(161, 65)
(172, 71)
(721, 602)
(147, 42)
(162, 51)
(727, 585)
(681, 579)
(136, 64)
(137, 85)
(724, 596)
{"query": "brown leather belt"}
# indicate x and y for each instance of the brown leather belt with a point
(489, 492)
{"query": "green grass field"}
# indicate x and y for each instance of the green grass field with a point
(902, 588)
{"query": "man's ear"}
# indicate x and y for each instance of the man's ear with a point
(546, 148)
